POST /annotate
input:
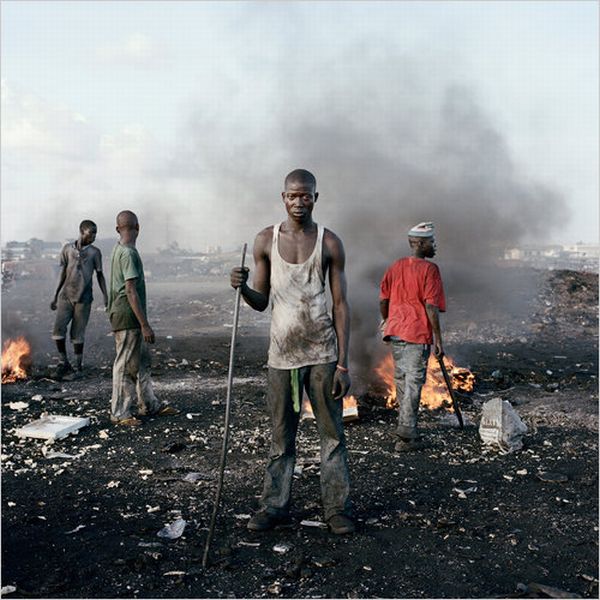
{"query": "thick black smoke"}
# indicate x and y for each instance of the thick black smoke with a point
(390, 147)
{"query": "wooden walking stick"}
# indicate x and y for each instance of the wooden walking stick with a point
(213, 519)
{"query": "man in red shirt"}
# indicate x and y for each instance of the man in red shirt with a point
(411, 298)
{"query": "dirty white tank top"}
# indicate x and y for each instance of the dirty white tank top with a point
(302, 331)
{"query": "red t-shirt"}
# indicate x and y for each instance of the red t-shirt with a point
(409, 284)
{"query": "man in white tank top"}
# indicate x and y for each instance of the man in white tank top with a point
(308, 350)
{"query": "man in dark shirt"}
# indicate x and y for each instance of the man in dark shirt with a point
(73, 297)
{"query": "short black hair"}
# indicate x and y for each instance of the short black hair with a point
(87, 224)
(301, 176)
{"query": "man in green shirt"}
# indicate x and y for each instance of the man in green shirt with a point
(127, 314)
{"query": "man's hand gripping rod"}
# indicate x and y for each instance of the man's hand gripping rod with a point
(213, 519)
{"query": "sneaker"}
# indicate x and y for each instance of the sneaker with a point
(340, 524)
(128, 422)
(263, 521)
(409, 445)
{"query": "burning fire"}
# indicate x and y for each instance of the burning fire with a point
(16, 359)
(434, 393)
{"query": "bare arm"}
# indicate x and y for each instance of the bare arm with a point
(136, 306)
(433, 314)
(257, 298)
(384, 308)
(341, 310)
(102, 284)
(61, 281)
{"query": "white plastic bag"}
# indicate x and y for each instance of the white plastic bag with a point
(501, 425)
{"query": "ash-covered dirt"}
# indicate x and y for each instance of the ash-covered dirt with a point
(86, 525)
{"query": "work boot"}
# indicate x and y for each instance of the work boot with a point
(263, 521)
(409, 445)
(340, 524)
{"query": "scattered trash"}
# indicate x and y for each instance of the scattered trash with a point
(462, 493)
(275, 587)
(49, 454)
(150, 545)
(501, 425)
(103, 434)
(78, 528)
(113, 484)
(552, 477)
(281, 548)
(174, 574)
(173, 530)
(37, 397)
(323, 561)
(250, 544)
(307, 523)
(194, 477)
(152, 509)
(19, 406)
(7, 589)
(522, 472)
(242, 517)
(52, 427)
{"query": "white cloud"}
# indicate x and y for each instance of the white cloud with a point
(33, 128)
(138, 50)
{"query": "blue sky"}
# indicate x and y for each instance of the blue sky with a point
(151, 105)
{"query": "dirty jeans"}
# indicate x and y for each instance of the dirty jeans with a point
(335, 481)
(131, 376)
(410, 372)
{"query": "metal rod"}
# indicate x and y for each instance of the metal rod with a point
(455, 405)
(213, 519)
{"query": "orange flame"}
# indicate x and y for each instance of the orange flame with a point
(350, 408)
(434, 393)
(16, 359)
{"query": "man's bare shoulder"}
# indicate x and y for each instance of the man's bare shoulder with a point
(264, 238)
(332, 240)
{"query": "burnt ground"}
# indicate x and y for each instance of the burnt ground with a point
(87, 526)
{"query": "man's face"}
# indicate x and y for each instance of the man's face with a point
(299, 199)
(88, 235)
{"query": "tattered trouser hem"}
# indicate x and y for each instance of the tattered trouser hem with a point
(410, 372)
(335, 481)
(131, 376)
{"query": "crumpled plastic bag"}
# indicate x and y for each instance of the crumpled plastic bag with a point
(173, 530)
(501, 426)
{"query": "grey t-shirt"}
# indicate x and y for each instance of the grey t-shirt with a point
(80, 265)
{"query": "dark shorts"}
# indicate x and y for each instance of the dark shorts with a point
(76, 313)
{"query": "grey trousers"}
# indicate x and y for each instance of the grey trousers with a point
(335, 481)
(409, 374)
(131, 376)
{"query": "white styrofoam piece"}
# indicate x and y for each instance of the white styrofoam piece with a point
(51, 427)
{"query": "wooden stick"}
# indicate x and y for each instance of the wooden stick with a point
(213, 519)
(455, 404)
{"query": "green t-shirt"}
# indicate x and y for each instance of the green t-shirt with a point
(125, 264)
